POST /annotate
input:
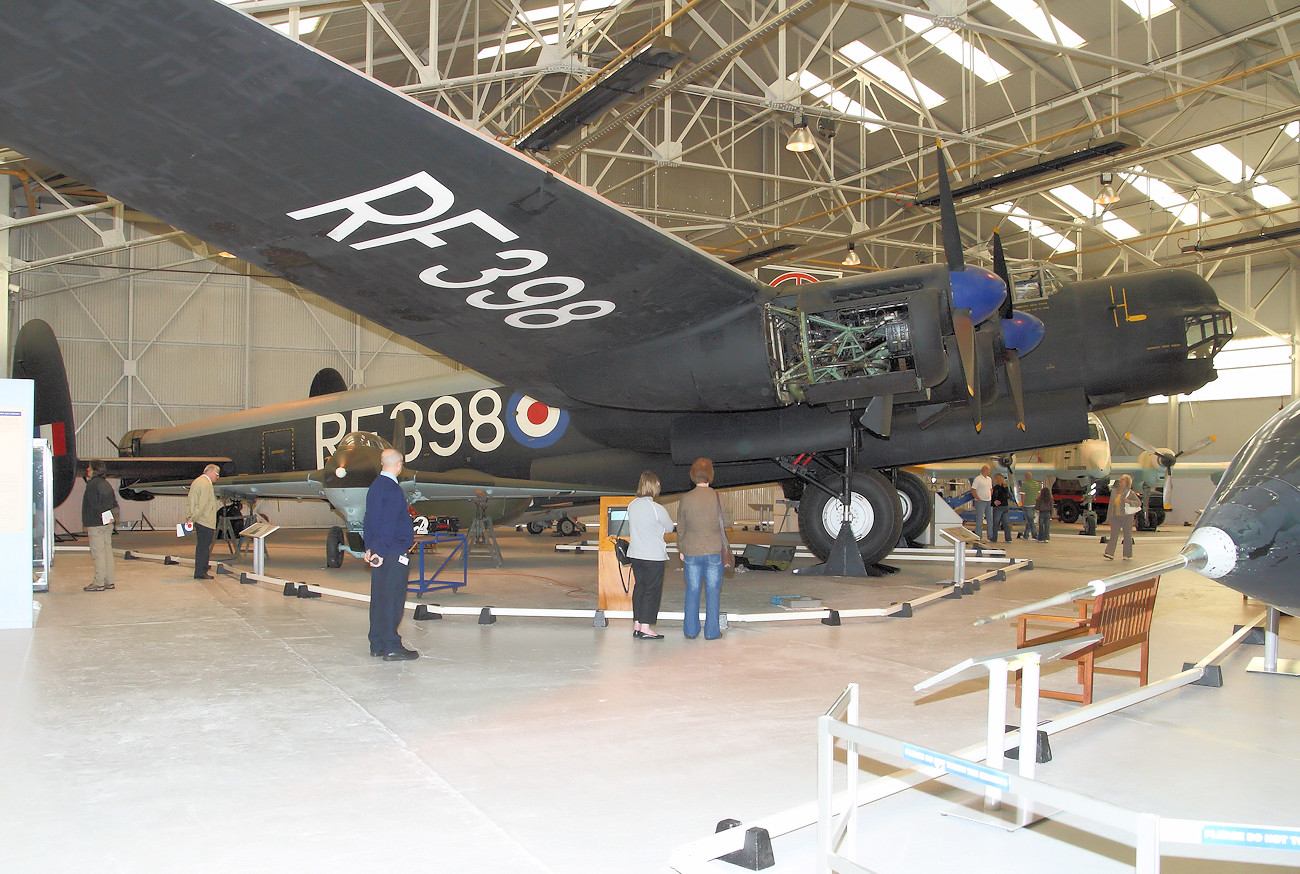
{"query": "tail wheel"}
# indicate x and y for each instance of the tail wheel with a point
(536, 527)
(334, 547)
(875, 516)
(917, 503)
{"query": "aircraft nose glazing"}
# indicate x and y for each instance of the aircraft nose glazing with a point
(977, 290)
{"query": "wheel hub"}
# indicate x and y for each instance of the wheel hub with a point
(861, 517)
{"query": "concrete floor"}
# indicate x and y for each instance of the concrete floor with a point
(178, 725)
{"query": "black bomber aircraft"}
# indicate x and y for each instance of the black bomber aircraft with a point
(607, 345)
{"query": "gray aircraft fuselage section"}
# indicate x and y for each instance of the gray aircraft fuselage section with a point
(213, 122)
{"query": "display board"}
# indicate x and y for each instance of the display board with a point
(16, 432)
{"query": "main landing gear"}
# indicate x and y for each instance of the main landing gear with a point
(861, 507)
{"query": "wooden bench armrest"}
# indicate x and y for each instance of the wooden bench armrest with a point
(1023, 620)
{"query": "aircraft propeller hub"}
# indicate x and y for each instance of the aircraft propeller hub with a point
(1022, 332)
(978, 290)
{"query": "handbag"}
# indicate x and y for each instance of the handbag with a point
(1131, 509)
(728, 557)
(620, 550)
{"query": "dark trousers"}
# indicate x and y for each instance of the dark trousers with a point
(387, 600)
(203, 537)
(1044, 524)
(648, 591)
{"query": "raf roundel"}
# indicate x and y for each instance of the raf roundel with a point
(534, 424)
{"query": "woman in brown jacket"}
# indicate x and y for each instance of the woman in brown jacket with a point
(699, 541)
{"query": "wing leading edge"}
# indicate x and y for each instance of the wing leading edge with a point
(217, 124)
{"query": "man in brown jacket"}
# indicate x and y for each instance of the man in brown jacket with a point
(203, 513)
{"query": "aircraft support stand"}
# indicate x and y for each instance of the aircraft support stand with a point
(481, 537)
(1269, 663)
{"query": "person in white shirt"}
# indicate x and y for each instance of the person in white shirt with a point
(648, 522)
(981, 491)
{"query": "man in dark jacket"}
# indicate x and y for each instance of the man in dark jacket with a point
(389, 535)
(98, 505)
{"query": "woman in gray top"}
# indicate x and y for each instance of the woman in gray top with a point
(647, 523)
(699, 540)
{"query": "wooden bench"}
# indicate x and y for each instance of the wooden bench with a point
(1121, 616)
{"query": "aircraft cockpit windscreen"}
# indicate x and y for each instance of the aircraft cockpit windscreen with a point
(363, 438)
(1207, 334)
(1094, 431)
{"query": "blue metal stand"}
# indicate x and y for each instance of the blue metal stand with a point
(433, 583)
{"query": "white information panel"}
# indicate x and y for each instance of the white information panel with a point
(16, 508)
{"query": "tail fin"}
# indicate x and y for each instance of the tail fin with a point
(327, 382)
(37, 357)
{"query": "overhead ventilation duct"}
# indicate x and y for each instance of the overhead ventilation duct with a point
(627, 81)
(1101, 147)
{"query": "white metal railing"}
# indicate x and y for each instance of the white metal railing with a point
(1152, 834)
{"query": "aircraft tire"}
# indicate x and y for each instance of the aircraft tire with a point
(334, 547)
(917, 501)
(536, 527)
(566, 528)
(1069, 512)
(877, 516)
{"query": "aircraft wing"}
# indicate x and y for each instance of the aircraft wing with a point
(147, 467)
(209, 120)
(469, 484)
(418, 486)
(1182, 468)
(297, 485)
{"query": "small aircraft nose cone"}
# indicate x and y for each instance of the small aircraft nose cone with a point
(1022, 332)
(977, 290)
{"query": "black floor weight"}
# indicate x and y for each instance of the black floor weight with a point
(876, 515)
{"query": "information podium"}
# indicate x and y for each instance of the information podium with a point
(614, 580)
(258, 532)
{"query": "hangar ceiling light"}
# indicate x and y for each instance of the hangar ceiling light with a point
(1083, 205)
(837, 100)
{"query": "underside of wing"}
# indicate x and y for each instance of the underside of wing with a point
(211, 121)
(298, 485)
(469, 484)
(133, 469)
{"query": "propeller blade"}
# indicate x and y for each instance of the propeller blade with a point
(948, 217)
(1140, 443)
(1197, 446)
(965, 330)
(1169, 488)
(976, 406)
(1017, 386)
(1000, 268)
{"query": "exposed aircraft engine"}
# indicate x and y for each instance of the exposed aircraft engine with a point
(845, 341)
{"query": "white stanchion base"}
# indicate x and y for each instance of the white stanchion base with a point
(1285, 667)
(1013, 814)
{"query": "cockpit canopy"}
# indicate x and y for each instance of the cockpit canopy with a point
(358, 439)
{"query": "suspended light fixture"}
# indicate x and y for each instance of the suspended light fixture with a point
(851, 259)
(1106, 194)
(801, 139)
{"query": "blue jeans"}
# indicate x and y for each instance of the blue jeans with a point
(706, 569)
(983, 518)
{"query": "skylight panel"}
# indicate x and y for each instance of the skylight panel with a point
(956, 47)
(837, 100)
(1031, 17)
(892, 75)
(305, 25)
(1174, 203)
(1149, 9)
(1292, 130)
(1082, 204)
(550, 13)
(1222, 161)
(518, 45)
(1021, 219)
